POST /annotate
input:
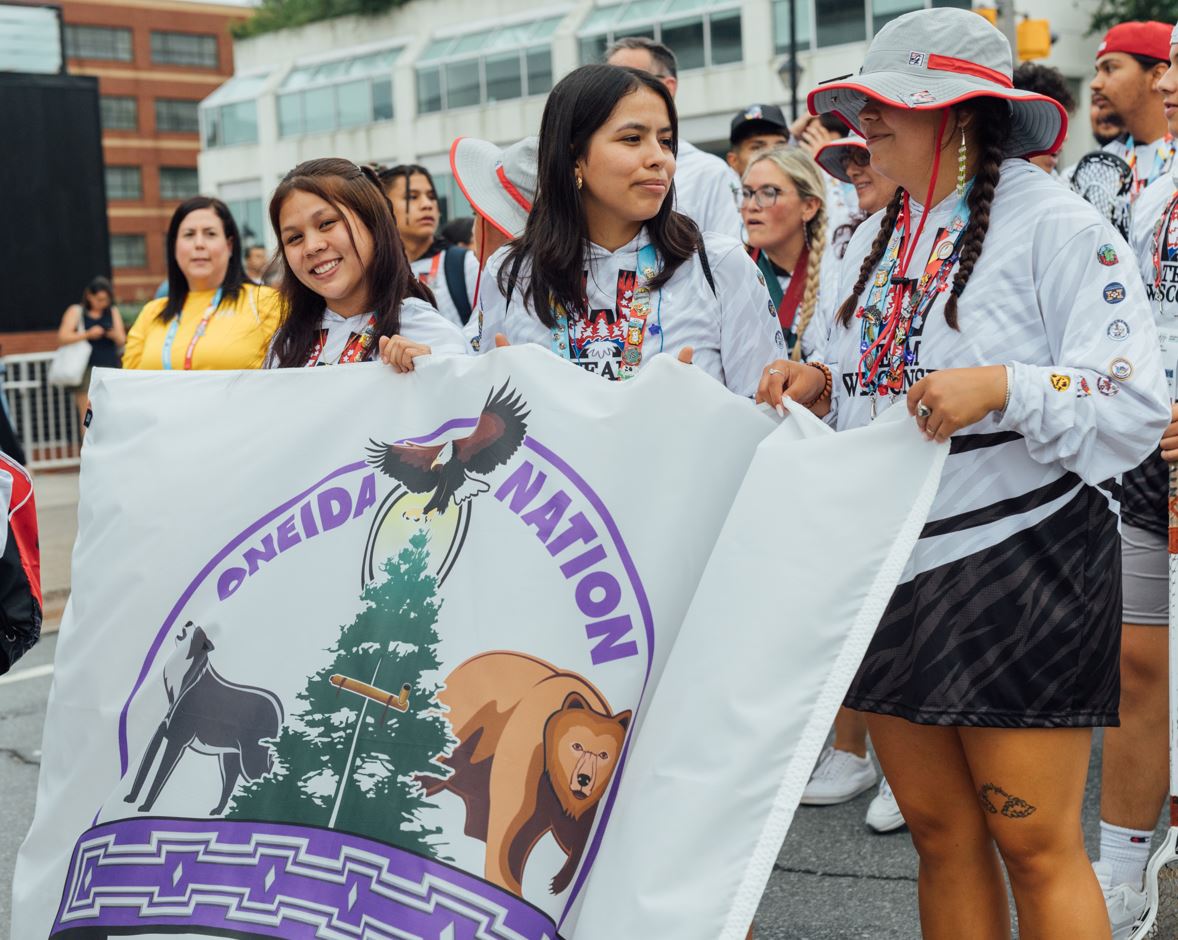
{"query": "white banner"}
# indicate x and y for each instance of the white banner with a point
(353, 654)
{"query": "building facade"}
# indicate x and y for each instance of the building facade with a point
(399, 87)
(155, 61)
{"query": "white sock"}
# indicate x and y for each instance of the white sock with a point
(1124, 853)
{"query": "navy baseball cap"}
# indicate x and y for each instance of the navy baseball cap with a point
(757, 119)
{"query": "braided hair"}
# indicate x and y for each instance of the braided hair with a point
(816, 238)
(800, 169)
(993, 121)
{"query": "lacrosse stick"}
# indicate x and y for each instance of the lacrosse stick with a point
(1160, 920)
(1104, 180)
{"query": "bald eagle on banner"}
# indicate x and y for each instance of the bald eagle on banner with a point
(448, 469)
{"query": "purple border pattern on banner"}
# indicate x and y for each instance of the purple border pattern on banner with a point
(271, 880)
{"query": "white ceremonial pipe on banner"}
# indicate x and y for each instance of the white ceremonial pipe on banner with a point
(784, 611)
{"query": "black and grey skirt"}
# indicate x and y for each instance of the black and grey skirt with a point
(1022, 634)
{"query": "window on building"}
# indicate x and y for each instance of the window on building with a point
(98, 42)
(119, 112)
(498, 64)
(123, 182)
(230, 114)
(341, 93)
(247, 213)
(128, 251)
(178, 182)
(184, 49)
(451, 201)
(842, 22)
(700, 32)
(177, 114)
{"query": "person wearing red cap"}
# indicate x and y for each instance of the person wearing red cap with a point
(1129, 61)
(983, 307)
(1133, 768)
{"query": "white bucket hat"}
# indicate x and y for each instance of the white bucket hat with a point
(830, 156)
(932, 59)
(500, 185)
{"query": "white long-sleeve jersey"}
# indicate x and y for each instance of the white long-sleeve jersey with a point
(420, 322)
(1056, 297)
(1163, 297)
(708, 191)
(733, 330)
(1146, 488)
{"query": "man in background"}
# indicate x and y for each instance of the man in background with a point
(706, 188)
(757, 128)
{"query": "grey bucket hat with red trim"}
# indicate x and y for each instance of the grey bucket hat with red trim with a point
(931, 59)
(831, 156)
(499, 184)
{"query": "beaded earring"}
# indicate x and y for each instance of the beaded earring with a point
(961, 158)
(580, 181)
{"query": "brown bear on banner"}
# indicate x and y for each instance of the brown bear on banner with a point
(537, 749)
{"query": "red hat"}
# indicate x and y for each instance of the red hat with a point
(1150, 39)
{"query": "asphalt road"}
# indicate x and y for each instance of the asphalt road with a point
(834, 879)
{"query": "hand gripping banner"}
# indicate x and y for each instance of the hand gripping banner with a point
(353, 654)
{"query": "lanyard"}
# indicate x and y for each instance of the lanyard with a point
(358, 347)
(174, 326)
(634, 329)
(896, 302)
(788, 301)
(1163, 156)
(1163, 248)
(430, 276)
(765, 266)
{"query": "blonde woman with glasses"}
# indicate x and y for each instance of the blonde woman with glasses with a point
(783, 205)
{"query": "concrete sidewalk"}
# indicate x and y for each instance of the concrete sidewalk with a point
(56, 494)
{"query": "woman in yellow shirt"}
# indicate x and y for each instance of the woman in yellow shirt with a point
(212, 318)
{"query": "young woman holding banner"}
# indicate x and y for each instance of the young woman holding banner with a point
(989, 301)
(346, 279)
(606, 273)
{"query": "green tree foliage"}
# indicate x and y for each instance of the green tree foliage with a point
(346, 762)
(280, 14)
(1111, 12)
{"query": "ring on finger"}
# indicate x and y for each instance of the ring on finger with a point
(776, 372)
(923, 410)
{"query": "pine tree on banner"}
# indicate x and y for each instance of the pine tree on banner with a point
(346, 761)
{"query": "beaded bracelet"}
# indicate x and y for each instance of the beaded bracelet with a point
(829, 387)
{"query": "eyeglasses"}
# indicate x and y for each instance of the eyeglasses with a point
(856, 156)
(765, 196)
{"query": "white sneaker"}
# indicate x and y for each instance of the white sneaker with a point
(838, 776)
(883, 815)
(1125, 903)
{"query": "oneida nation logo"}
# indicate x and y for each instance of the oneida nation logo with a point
(400, 739)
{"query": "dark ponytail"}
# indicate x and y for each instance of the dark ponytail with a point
(992, 119)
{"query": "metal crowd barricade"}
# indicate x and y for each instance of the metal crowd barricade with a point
(44, 415)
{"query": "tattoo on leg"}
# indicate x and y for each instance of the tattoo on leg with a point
(1012, 807)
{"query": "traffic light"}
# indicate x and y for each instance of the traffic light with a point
(1034, 39)
(989, 13)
